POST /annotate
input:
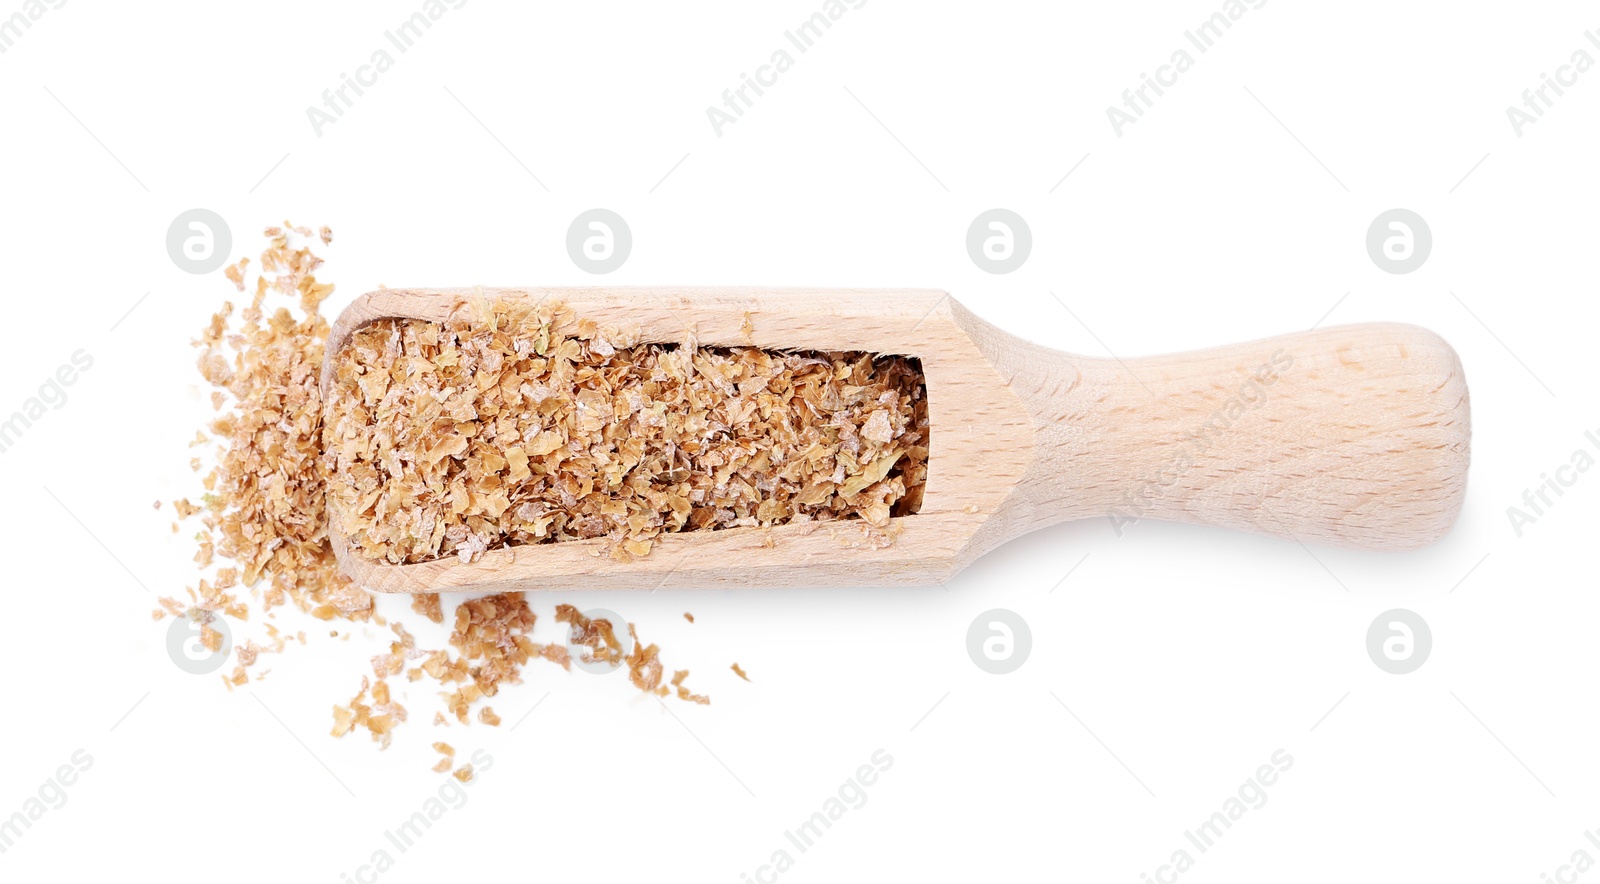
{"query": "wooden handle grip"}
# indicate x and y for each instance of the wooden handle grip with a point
(1352, 436)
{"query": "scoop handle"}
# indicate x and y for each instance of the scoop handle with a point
(1356, 435)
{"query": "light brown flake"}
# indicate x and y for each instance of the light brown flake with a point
(427, 604)
(683, 692)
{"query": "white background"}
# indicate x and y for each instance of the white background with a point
(1169, 665)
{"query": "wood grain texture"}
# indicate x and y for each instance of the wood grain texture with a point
(1351, 436)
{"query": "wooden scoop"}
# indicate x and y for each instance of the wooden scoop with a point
(1349, 436)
